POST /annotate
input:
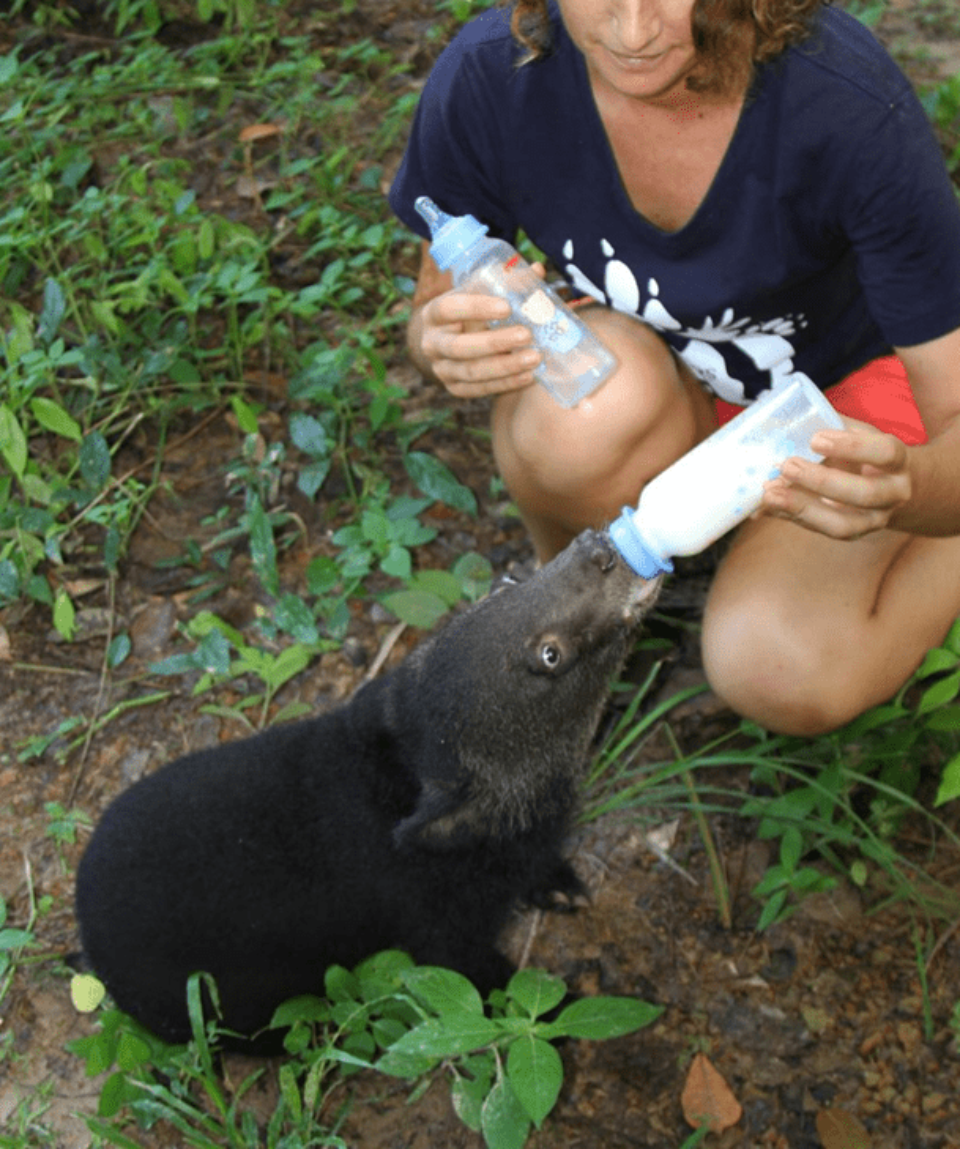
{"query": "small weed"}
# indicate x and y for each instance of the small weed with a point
(387, 1014)
(62, 827)
(12, 943)
(837, 801)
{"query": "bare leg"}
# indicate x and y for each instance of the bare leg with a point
(802, 633)
(572, 469)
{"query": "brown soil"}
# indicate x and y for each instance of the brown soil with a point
(825, 1011)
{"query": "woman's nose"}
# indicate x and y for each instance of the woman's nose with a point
(638, 24)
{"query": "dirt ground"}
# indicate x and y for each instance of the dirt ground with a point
(822, 1012)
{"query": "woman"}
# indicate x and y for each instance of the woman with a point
(758, 184)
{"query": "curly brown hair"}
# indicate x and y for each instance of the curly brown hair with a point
(731, 36)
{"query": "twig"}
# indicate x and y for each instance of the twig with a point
(101, 689)
(535, 919)
(384, 652)
(720, 886)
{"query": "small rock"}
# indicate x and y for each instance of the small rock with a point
(153, 627)
(134, 765)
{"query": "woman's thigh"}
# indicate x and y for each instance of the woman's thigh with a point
(802, 632)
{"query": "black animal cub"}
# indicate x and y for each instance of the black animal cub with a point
(414, 816)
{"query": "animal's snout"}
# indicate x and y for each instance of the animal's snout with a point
(601, 551)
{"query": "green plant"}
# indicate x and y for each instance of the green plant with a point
(837, 801)
(12, 943)
(507, 1075)
(62, 827)
(387, 1014)
(222, 654)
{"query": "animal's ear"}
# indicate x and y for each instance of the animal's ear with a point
(442, 820)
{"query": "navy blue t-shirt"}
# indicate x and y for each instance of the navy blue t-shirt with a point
(830, 234)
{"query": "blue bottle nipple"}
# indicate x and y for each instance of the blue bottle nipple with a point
(450, 235)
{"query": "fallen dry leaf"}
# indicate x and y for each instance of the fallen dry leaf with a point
(707, 1099)
(6, 654)
(259, 132)
(841, 1130)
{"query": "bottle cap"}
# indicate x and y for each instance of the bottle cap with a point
(633, 550)
(450, 235)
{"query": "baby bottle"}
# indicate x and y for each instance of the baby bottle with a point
(720, 482)
(574, 361)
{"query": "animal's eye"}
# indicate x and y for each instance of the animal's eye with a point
(550, 655)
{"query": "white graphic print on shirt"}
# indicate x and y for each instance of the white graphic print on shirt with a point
(764, 344)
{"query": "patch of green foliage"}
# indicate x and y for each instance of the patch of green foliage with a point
(126, 299)
(389, 1015)
(834, 804)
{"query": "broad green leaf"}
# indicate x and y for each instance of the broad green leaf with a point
(340, 984)
(312, 477)
(535, 1071)
(416, 607)
(15, 939)
(397, 563)
(597, 1018)
(307, 1007)
(309, 435)
(213, 653)
(293, 615)
(449, 1035)
(946, 718)
(9, 580)
(935, 661)
(132, 1052)
(468, 1095)
(263, 549)
(245, 415)
(286, 665)
(52, 311)
(95, 460)
(503, 1119)
(64, 615)
(771, 910)
(791, 848)
(440, 583)
(9, 65)
(437, 480)
(443, 990)
(536, 991)
(13, 442)
(119, 650)
(940, 693)
(374, 527)
(949, 782)
(52, 417)
(383, 973)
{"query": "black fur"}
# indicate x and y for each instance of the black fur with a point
(414, 816)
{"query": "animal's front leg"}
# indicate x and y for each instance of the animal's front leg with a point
(557, 889)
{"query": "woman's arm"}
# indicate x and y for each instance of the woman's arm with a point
(870, 480)
(450, 341)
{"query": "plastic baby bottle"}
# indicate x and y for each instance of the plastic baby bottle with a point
(720, 482)
(574, 361)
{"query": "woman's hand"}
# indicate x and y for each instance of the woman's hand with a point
(470, 358)
(862, 482)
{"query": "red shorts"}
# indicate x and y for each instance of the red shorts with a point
(878, 393)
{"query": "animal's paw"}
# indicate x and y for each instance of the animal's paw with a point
(561, 891)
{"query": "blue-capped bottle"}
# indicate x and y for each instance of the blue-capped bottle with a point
(574, 362)
(710, 489)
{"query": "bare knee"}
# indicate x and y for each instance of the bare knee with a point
(583, 463)
(782, 680)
